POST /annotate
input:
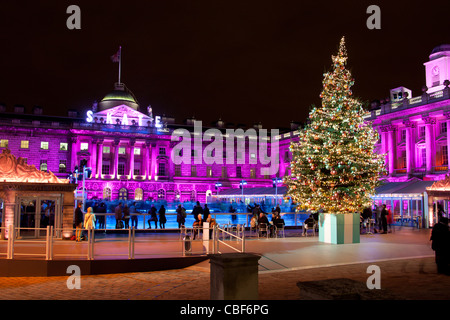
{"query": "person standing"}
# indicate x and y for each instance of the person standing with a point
(126, 216)
(118, 215)
(162, 217)
(153, 217)
(133, 214)
(181, 216)
(383, 216)
(197, 210)
(89, 219)
(78, 221)
(102, 216)
(440, 243)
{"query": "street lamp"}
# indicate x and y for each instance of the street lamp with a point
(275, 182)
(241, 185)
(217, 186)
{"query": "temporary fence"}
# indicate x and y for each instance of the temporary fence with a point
(188, 241)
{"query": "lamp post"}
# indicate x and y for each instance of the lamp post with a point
(242, 183)
(218, 185)
(276, 181)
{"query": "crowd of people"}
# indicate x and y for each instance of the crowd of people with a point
(260, 220)
(383, 219)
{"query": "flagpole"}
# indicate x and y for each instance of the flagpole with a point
(120, 61)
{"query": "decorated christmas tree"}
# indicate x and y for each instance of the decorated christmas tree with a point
(334, 167)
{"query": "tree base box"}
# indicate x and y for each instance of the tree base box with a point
(339, 228)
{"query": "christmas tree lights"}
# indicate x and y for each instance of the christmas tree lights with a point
(334, 167)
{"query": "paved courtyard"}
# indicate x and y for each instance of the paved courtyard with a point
(405, 259)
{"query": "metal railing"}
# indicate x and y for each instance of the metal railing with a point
(292, 219)
(186, 239)
(234, 232)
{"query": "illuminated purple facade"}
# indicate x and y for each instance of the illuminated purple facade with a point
(415, 131)
(130, 151)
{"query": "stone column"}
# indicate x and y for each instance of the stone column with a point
(383, 135)
(67, 214)
(116, 158)
(447, 115)
(93, 158)
(132, 143)
(391, 149)
(73, 153)
(409, 147)
(429, 143)
(147, 160)
(99, 160)
(8, 217)
(153, 172)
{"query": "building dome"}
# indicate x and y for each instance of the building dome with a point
(440, 51)
(119, 96)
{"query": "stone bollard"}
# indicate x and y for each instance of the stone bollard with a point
(234, 276)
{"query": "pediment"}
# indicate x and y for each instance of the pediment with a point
(123, 114)
(120, 111)
(441, 184)
(14, 169)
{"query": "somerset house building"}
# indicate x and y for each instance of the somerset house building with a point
(415, 137)
(130, 150)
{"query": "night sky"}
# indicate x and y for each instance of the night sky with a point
(242, 61)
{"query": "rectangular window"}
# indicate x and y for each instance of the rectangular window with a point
(161, 169)
(444, 152)
(177, 172)
(224, 172)
(443, 127)
(43, 165)
(286, 156)
(122, 150)
(424, 157)
(63, 146)
(209, 171)
(137, 151)
(252, 173)
(24, 144)
(106, 149)
(3, 143)
(136, 171)
(162, 151)
(121, 169)
(84, 146)
(238, 172)
(62, 166)
(44, 145)
(422, 131)
(403, 135)
(105, 168)
(193, 171)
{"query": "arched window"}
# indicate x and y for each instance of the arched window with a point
(107, 193)
(123, 194)
(138, 194)
(161, 194)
